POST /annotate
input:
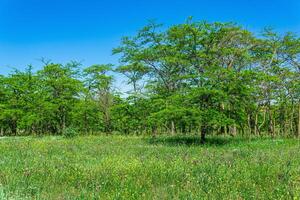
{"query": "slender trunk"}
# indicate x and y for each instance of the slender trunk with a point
(154, 131)
(64, 122)
(249, 124)
(172, 128)
(293, 132)
(264, 120)
(242, 128)
(85, 122)
(203, 134)
(14, 127)
(271, 130)
(274, 124)
(255, 124)
(286, 127)
(299, 119)
(134, 87)
(233, 130)
(282, 121)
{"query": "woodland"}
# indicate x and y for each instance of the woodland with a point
(195, 78)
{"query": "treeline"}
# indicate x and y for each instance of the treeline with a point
(192, 78)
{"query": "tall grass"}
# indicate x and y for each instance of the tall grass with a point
(118, 167)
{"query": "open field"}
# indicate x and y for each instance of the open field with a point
(118, 167)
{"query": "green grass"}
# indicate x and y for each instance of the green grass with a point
(118, 167)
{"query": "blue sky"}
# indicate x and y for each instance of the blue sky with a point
(87, 30)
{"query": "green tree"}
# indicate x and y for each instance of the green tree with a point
(100, 86)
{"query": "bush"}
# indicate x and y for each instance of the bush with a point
(70, 132)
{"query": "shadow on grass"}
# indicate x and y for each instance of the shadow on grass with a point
(195, 140)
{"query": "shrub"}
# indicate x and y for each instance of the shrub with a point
(70, 132)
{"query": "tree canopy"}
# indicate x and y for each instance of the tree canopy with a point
(191, 78)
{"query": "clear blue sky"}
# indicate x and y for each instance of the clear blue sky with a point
(87, 30)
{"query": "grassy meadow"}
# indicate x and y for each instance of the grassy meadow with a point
(120, 167)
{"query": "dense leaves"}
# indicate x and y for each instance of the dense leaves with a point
(196, 77)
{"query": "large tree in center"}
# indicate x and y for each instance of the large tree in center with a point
(195, 60)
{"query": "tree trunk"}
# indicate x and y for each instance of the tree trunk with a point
(154, 131)
(14, 127)
(64, 122)
(172, 128)
(249, 124)
(203, 134)
(255, 124)
(270, 129)
(274, 125)
(286, 122)
(264, 120)
(293, 132)
(234, 130)
(299, 119)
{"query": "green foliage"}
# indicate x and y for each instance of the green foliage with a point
(70, 132)
(194, 77)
